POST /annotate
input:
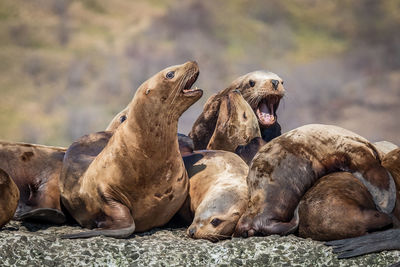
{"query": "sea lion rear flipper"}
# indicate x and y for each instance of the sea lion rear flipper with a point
(117, 233)
(44, 215)
(375, 242)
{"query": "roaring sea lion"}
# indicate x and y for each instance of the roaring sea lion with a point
(35, 169)
(262, 90)
(236, 124)
(379, 241)
(286, 167)
(339, 206)
(135, 180)
(9, 195)
(217, 196)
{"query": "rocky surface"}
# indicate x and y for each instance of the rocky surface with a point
(28, 244)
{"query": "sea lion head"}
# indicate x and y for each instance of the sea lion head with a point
(236, 125)
(169, 91)
(263, 90)
(216, 217)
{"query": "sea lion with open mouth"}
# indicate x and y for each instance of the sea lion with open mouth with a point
(9, 195)
(217, 195)
(134, 180)
(262, 90)
(35, 169)
(286, 167)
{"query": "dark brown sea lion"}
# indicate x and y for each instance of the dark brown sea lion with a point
(262, 90)
(339, 206)
(379, 241)
(286, 167)
(9, 195)
(135, 180)
(35, 169)
(218, 193)
(236, 124)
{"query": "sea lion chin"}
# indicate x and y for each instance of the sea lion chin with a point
(133, 179)
(261, 89)
(286, 167)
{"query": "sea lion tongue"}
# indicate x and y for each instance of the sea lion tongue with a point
(265, 113)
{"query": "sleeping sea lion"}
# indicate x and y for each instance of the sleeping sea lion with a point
(286, 167)
(217, 196)
(9, 195)
(339, 206)
(134, 180)
(35, 169)
(378, 241)
(262, 90)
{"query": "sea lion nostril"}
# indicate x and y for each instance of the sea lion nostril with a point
(244, 234)
(192, 231)
(275, 83)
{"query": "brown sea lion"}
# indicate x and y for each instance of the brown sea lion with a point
(236, 124)
(35, 169)
(135, 180)
(262, 90)
(379, 241)
(9, 195)
(339, 206)
(286, 167)
(218, 193)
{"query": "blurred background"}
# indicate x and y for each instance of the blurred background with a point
(68, 66)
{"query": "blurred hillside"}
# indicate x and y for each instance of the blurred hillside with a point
(68, 66)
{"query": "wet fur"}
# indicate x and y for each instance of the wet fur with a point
(285, 168)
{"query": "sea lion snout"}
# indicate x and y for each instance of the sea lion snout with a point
(191, 231)
(275, 84)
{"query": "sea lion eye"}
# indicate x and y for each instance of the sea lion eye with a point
(215, 222)
(252, 83)
(170, 74)
(122, 118)
(281, 82)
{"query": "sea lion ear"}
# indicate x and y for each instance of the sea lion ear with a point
(147, 91)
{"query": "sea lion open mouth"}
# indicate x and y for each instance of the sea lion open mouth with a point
(187, 90)
(266, 110)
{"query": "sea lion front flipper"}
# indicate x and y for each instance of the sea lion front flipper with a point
(44, 215)
(375, 242)
(117, 233)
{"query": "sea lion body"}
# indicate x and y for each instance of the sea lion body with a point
(9, 196)
(35, 170)
(378, 241)
(339, 206)
(385, 147)
(236, 124)
(262, 90)
(286, 167)
(137, 181)
(217, 195)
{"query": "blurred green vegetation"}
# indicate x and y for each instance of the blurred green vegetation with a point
(67, 66)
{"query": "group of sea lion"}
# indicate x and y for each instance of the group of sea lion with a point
(234, 175)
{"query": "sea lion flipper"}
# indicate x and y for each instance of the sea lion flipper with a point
(43, 214)
(376, 242)
(117, 233)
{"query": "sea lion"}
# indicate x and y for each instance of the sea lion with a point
(217, 196)
(286, 167)
(339, 206)
(117, 120)
(35, 169)
(379, 241)
(134, 180)
(9, 195)
(236, 124)
(261, 89)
